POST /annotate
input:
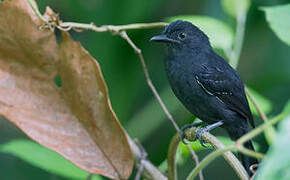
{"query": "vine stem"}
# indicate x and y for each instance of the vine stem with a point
(238, 146)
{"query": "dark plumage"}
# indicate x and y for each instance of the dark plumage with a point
(205, 83)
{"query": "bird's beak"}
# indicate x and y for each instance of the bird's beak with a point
(163, 38)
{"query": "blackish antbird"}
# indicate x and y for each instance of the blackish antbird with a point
(205, 83)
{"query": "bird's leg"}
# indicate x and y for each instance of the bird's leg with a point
(200, 131)
(182, 134)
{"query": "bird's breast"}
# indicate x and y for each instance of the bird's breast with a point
(182, 80)
(185, 87)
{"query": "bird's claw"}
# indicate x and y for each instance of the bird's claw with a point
(199, 133)
(182, 132)
(187, 126)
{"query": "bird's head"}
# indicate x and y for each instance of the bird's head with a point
(182, 34)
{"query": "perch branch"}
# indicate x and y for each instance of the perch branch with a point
(238, 146)
(229, 156)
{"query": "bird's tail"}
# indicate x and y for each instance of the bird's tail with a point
(247, 161)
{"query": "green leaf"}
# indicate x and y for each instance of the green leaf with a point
(278, 18)
(263, 102)
(233, 7)
(219, 33)
(277, 163)
(286, 108)
(43, 158)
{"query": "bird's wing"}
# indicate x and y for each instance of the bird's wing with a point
(226, 86)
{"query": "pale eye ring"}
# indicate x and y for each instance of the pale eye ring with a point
(181, 35)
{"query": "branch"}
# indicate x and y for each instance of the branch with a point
(110, 28)
(196, 160)
(138, 51)
(238, 146)
(150, 171)
(66, 26)
(229, 156)
(260, 112)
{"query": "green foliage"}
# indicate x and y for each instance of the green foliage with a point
(43, 158)
(234, 7)
(278, 18)
(277, 163)
(219, 33)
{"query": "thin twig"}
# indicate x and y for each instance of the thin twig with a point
(149, 171)
(142, 159)
(270, 132)
(66, 26)
(35, 9)
(140, 170)
(260, 112)
(138, 51)
(196, 160)
(111, 28)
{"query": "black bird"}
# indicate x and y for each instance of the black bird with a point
(205, 83)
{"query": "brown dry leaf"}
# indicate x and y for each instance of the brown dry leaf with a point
(76, 120)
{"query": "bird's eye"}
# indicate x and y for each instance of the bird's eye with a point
(181, 35)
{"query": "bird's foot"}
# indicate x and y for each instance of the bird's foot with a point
(187, 126)
(199, 133)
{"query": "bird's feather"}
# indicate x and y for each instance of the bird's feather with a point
(227, 88)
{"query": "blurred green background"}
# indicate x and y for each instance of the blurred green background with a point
(264, 66)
